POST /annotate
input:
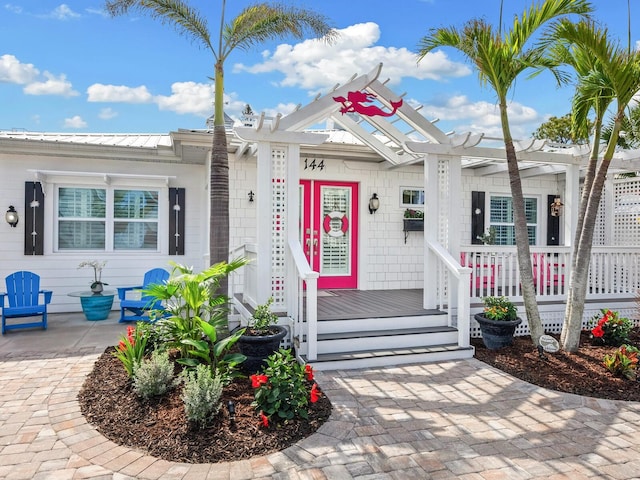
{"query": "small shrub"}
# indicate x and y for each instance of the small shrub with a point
(201, 395)
(154, 377)
(623, 362)
(610, 329)
(284, 389)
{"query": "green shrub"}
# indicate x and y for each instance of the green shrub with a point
(611, 329)
(285, 388)
(154, 377)
(201, 395)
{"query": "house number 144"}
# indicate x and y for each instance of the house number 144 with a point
(313, 164)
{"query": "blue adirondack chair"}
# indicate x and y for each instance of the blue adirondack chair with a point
(24, 298)
(140, 307)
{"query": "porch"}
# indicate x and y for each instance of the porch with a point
(337, 329)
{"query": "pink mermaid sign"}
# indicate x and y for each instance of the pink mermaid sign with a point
(356, 102)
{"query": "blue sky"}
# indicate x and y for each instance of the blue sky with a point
(68, 67)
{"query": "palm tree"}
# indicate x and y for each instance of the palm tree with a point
(500, 59)
(606, 73)
(255, 24)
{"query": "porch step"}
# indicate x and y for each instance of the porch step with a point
(380, 323)
(363, 340)
(389, 357)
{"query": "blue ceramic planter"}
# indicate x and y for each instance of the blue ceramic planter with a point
(96, 307)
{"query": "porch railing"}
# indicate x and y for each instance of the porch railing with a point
(245, 280)
(452, 278)
(303, 307)
(613, 271)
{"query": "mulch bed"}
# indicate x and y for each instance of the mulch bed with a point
(581, 373)
(161, 429)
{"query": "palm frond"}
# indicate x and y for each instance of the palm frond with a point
(261, 22)
(184, 18)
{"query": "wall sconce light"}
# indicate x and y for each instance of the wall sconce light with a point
(477, 211)
(374, 203)
(556, 207)
(11, 216)
(251, 194)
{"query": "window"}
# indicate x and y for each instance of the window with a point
(501, 219)
(411, 196)
(107, 219)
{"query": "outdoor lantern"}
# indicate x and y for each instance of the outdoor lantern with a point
(12, 216)
(556, 207)
(374, 203)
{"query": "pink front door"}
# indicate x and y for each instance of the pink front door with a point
(329, 235)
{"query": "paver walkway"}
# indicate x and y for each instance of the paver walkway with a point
(453, 420)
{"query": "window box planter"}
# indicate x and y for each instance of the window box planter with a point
(412, 225)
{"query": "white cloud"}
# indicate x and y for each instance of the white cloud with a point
(96, 11)
(51, 86)
(107, 113)
(63, 12)
(118, 93)
(315, 65)
(13, 8)
(74, 122)
(188, 97)
(12, 71)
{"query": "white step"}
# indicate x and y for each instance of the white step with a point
(388, 339)
(377, 323)
(390, 357)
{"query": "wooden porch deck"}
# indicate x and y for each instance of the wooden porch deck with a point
(357, 304)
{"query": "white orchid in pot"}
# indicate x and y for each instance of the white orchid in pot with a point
(97, 284)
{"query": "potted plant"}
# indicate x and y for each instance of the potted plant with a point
(498, 322)
(97, 285)
(261, 338)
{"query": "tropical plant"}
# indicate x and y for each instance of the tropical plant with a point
(610, 328)
(284, 389)
(623, 362)
(194, 318)
(255, 24)
(131, 348)
(608, 78)
(499, 308)
(500, 59)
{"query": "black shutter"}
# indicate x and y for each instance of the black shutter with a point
(553, 223)
(33, 218)
(477, 217)
(176, 221)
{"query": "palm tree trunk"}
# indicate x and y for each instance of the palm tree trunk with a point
(570, 336)
(219, 183)
(521, 232)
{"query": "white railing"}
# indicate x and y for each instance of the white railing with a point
(245, 280)
(613, 271)
(453, 278)
(304, 311)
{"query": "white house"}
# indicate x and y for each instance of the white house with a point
(320, 214)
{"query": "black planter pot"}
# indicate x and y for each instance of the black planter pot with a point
(258, 347)
(497, 333)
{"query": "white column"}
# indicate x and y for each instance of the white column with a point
(293, 214)
(431, 216)
(571, 203)
(263, 234)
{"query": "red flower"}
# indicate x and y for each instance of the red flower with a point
(598, 332)
(130, 332)
(122, 346)
(265, 419)
(308, 371)
(258, 379)
(315, 394)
